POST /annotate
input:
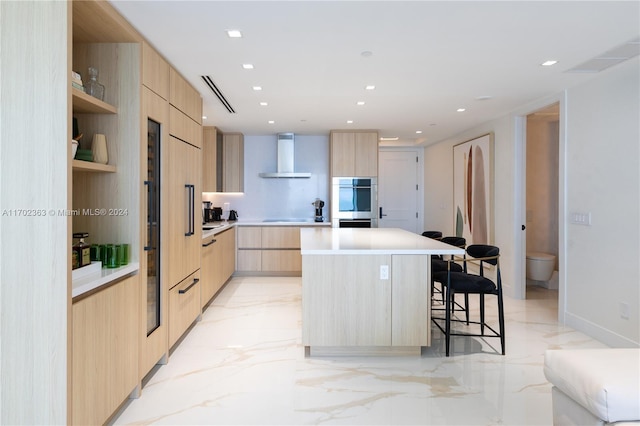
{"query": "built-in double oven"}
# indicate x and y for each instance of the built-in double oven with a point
(354, 202)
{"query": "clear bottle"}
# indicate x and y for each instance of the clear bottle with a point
(92, 87)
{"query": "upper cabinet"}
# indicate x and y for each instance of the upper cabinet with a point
(354, 153)
(223, 161)
(233, 162)
(155, 71)
(184, 97)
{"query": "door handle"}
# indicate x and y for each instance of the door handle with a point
(524, 227)
(381, 215)
(191, 210)
(183, 291)
(209, 243)
(150, 214)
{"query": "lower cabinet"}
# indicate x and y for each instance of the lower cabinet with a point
(105, 351)
(269, 249)
(184, 306)
(218, 262)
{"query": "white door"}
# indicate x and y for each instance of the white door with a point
(398, 190)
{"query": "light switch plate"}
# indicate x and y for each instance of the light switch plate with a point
(579, 218)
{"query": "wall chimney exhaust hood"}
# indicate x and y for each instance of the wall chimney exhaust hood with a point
(286, 155)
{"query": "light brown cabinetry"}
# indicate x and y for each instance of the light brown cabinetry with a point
(223, 160)
(218, 262)
(354, 153)
(155, 71)
(105, 351)
(211, 163)
(271, 249)
(182, 196)
(184, 97)
(233, 162)
(181, 201)
(184, 306)
(154, 291)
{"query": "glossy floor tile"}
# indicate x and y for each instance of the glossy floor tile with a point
(243, 364)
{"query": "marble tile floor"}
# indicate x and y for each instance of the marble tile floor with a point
(243, 364)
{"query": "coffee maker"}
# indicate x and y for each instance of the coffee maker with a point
(318, 204)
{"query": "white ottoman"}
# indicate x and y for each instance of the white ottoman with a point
(594, 386)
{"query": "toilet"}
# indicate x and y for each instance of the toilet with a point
(540, 266)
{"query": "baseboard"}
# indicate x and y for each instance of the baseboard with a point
(599, 333)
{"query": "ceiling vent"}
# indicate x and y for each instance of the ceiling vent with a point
(216, 91)
(609, 58)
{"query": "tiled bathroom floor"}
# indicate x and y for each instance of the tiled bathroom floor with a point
(243, 364)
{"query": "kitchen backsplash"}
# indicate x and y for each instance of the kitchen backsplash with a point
(284, 197)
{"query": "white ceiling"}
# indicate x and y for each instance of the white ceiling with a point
(428, 59)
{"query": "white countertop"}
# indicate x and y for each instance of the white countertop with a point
(224, 225)
(370, 241)
(101, 277)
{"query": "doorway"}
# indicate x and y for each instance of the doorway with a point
(542, 196)
(399, 192)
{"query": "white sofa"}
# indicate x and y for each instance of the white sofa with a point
(594, 386)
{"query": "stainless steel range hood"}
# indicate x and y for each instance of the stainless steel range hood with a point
(286, 155)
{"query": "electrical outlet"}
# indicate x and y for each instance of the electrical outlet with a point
(624, 310)
(384, 272)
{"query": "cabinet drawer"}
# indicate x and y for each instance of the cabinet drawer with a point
(249, 237)
(280, 237)
(281, 261)
(184, 306)
(184, 128)
(249, 260)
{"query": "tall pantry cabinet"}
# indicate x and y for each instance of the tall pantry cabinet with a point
(183, 190)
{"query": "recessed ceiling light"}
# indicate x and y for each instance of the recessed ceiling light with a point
(204, 117)
(247, 66)
(549, 63)
(394, 138)
(370, 87)
(483, 98)
(432, 124)
(349, 121)
(418, 131)
(360, 102)
(461, 110)
(366, 54)
(271, 122)
(257, 88)
(234, 33)
(263, 104)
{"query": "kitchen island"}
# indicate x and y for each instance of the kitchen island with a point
(367, 291)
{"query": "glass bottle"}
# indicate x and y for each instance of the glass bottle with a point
(92, 87)
(82, 250)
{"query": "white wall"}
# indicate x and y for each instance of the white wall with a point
(602, 173)
(280, 198)
(603, 178)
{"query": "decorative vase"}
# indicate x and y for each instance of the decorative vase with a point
(99, 149)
